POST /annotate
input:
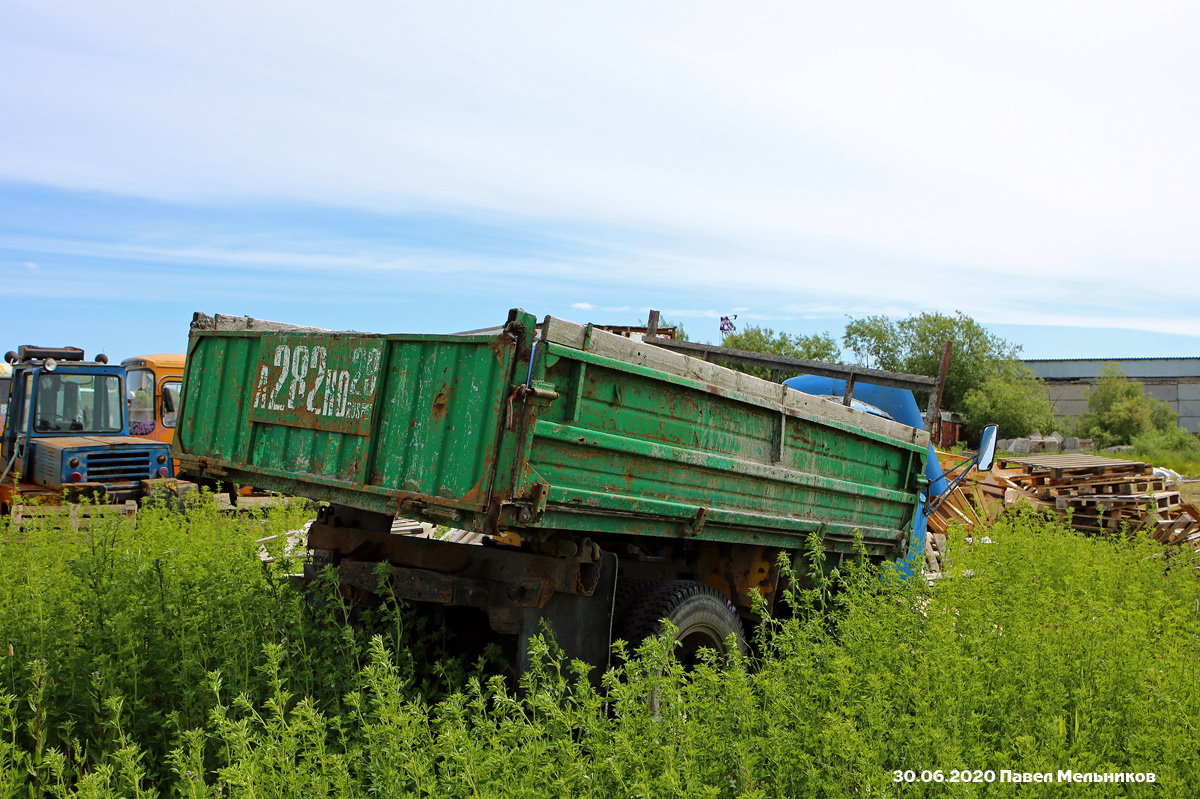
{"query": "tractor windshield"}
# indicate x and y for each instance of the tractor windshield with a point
(78, 403)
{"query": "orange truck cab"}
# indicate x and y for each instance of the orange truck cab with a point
(152, 388)
(152, 391)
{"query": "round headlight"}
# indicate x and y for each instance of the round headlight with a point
(162, 458)
(76, 477)
(163, 471)
(73, 463)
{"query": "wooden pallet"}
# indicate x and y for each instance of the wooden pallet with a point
(1099, 496)
(71, 514)
(1059, 466)
(1158, 501)
(1103, 487)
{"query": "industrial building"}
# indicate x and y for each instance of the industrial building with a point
(1175, 381)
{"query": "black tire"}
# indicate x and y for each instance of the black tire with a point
(627, 595)
(702, 615)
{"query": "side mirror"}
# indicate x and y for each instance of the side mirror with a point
(168, 403)
(987, 449)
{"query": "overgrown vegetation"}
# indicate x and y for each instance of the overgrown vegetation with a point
(162, 659)
(1173, 448)
(117, 634)
(1119, 410)
(1011, 397)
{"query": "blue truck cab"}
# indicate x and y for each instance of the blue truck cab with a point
(66, 434)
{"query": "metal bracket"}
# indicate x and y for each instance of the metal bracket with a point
(780, 434)
(542, 391)
(530, 513)
(541, 491)
(697, 524)
(531, 593)
(408, 505)
(443, 512)
(209, 469)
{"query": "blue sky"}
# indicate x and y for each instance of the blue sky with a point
(405, 167)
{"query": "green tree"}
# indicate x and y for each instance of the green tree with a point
(915, 345)
(980, 362)
(817, 347)
(1013, 398)
(1119, 409)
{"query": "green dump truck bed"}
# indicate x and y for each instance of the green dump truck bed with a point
(541, 431)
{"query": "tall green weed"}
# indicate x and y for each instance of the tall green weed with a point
(208, 676)
(1173, 448)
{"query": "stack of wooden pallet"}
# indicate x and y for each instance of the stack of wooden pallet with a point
(1099, 496)
(1104, 495)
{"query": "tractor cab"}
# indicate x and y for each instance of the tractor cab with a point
(66, 433)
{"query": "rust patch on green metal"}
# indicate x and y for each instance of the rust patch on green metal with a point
(441, 402)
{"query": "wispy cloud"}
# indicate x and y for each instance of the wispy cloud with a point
(793, 162)
(347, 264)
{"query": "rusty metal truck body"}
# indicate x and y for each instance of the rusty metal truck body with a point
(595, 469)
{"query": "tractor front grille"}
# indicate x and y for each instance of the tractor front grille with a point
(126, 466)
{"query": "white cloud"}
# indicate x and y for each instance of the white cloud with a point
(1147, 324)
(1024, 162)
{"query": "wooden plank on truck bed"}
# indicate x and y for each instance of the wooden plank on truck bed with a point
(609, 345)
(233, 324)
(788, 365)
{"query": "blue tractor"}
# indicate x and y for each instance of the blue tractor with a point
(66, 435)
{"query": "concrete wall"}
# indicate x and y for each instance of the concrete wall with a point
(1175, 381)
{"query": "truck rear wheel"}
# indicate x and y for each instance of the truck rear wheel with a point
(629, 592)
(702, 615)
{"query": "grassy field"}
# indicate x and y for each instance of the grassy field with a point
(163, 659)
(1174, 449)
